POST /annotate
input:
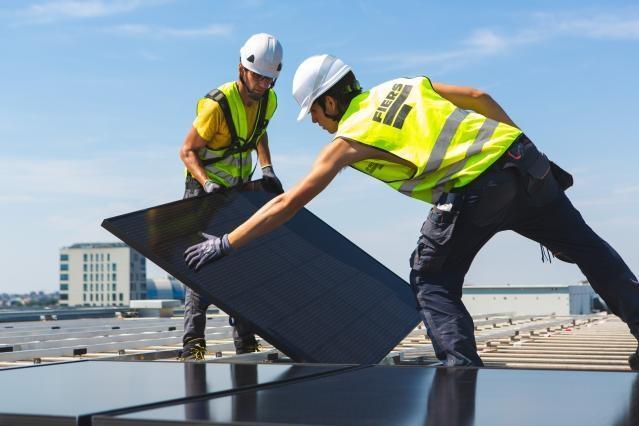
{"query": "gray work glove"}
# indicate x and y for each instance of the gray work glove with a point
(213, 248)
(210, 186)
(270, 182)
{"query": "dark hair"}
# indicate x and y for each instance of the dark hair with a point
(343, 92)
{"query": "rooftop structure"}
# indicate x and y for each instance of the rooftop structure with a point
(556, 299)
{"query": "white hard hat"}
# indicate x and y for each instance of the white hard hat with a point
(262, 53)
(314, 77)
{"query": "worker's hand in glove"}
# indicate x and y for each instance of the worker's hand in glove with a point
(207, 251)
(210, 186)
(270, 182)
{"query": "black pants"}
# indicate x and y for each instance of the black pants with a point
(195, 304)
(519, 193)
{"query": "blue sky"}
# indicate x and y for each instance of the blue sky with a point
(96, 97)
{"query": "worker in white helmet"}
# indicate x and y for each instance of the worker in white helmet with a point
(230, 124)
(456, 148)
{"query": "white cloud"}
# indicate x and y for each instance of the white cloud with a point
(109, 177)
(626, 190)
(130, 29)
(213, 30)
(487, 42)
(17, 199)
(71, 9)
(609, 27)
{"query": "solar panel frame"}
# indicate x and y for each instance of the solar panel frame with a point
(285, 284)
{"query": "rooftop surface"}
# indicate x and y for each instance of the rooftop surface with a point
(580, 342)
(125, 371)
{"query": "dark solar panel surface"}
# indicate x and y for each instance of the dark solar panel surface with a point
(305, 288)
(419, 396)
(73, 391)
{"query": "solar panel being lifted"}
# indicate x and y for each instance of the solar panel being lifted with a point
(305, 288)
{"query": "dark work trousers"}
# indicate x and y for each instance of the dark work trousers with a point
(520, 192)
(195, 304)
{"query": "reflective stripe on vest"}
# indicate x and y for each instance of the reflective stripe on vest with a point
(448, 146)
(234, 164)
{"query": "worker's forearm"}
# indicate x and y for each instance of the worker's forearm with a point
(486, 106)
(263, 153)
(193, 165)
(273, 214)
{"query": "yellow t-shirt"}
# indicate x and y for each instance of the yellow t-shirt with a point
(211, 125)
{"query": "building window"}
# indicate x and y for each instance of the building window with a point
(114, 277)
(84, 257)
(114, 266)
(91, 266)
(101, 287)
(64, 287)
(101, 257)
(121, 297)
(102, 297)
(84, 287)
(113, 296)
(84, 297)
(91, 257)
(91, 287)
(64, 257)
(64, 266)
(64, 277)
(91, 277)
(64, 297)
(85, 267)
(84, 277)
(91, 297)
(108, 257)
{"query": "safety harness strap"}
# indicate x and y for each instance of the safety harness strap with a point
(236, 145)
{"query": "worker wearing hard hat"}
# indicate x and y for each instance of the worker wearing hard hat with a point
(231, 122)
(456, 148)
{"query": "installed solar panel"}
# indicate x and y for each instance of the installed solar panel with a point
(406, 396)
(63, 394)
(305, 288)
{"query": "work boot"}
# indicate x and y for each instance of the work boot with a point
(244, 339)
(633, 360)
(193, 350)
(246, 346)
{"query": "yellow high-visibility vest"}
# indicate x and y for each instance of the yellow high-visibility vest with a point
(448, 146)
(234, 164)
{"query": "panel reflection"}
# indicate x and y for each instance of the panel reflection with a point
(422, 396)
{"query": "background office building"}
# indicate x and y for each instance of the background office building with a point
(101, 274)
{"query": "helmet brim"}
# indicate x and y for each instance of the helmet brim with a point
(304, 111)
